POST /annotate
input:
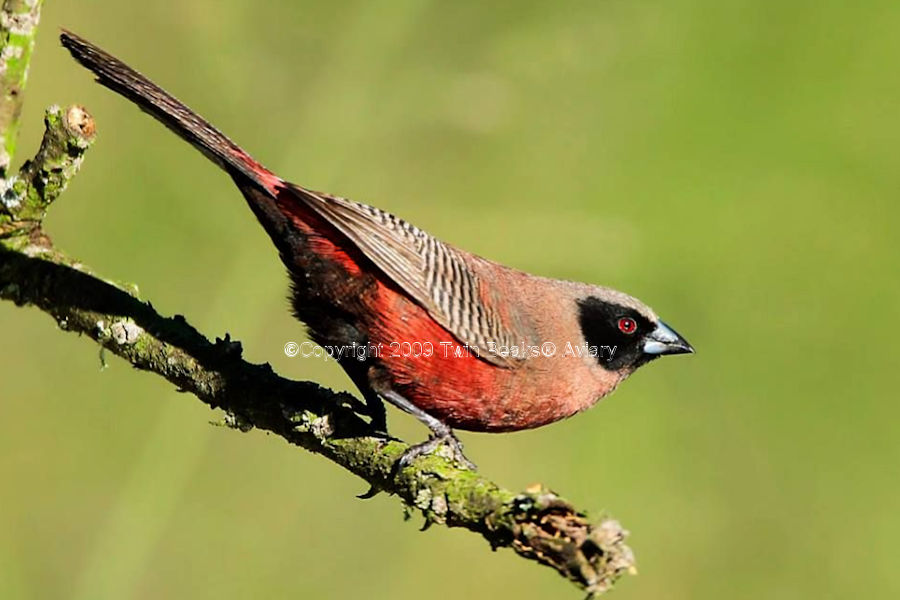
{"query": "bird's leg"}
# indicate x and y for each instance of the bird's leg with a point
(440, 434)
(374, 405)
(375, 409)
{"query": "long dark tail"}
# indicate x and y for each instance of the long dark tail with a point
(155, 101)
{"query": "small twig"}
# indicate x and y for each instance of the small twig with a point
(24, 198)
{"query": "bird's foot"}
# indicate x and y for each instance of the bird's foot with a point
(431, 445)
(425, 448)
(440, 434)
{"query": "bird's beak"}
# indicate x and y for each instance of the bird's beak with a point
(664, 340)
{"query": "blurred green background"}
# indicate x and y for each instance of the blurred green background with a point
(734, 164)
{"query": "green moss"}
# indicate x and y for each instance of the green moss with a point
(19, 20)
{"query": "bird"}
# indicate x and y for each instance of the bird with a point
(458, 341)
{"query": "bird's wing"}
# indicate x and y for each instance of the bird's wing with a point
(435, 275)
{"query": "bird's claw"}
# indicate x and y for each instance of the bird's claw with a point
(429, 446)
(373, 491)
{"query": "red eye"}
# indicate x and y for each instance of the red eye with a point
(627, 325)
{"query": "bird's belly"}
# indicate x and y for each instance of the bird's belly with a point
(468, 393)
(428, 366)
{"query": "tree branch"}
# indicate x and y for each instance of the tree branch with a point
(536, 523)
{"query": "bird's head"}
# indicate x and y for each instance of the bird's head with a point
(626, 332)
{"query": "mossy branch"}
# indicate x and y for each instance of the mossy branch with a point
(536, 523)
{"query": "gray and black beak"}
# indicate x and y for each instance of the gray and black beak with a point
(665, 340)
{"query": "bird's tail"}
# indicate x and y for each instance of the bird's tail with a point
(155, 101)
